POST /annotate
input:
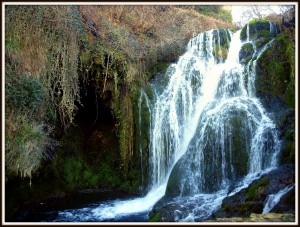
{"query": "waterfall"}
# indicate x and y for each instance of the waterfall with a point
(178, 106)
(207, 129)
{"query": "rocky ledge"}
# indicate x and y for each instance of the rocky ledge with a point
(270, 217)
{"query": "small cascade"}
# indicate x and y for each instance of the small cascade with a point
(142, 99)
(273, 199)
(248, 32)
(251, 68)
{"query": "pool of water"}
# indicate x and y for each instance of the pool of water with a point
(77, 207)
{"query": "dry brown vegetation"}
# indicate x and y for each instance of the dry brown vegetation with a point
(152, 28)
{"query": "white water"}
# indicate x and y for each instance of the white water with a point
(200, 91)
(177, 110)
(273, 199)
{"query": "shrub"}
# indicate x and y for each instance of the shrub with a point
(26, 145)
(24, 93)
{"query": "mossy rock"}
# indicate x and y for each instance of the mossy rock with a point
(246, 53)
(288, 152)
(255, 26)
(252, 199)
(261, 32)
(155, 217)
(274, 71)
(221, 45)
(183, 179)
(255, 189)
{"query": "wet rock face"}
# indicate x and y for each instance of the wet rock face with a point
(256, 34)
(256, 29)
(286, 203)
(222, 40)
(198, 171)
(270, 217)
(246, 53)
(275, 87)
(253, 199)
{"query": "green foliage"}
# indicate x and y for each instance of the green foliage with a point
(157, 68)
(26, 145)
(78, 173)
(73, 172)
(41, 81)
(41, 43)
(24, 93)
(11, 45)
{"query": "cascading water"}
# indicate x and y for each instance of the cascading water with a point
(207, 129)
(273, 199)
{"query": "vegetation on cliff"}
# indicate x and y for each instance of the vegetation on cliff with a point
(57, 58)
(114, 49)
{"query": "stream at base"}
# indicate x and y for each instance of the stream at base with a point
(116, 206)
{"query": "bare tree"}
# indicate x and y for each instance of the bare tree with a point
(260, 11)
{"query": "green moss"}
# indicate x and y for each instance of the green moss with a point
(252, 192)
(243, 209)
(239, 144)
(243, 35)
(288, 152)
(276, 72)
(262, 38)
(149, 92)
(290, 92)
(221, 45)
(247, 60)
(156, 218)
(12, 45)
(226, 208)
(220, 52)
(258, 20)
(246, 53)
(258, 29)
(263, 33)
(157, 68)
